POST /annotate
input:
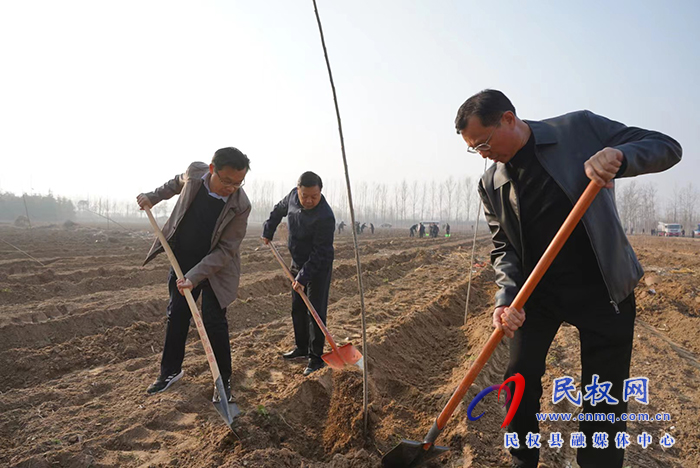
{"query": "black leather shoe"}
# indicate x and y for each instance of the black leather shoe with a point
(296, 353)
(314, 365)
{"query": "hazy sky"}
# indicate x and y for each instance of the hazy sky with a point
(114, 98)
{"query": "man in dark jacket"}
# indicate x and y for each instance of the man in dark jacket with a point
(421, 230)
(541, 169)
(205, 230)
(311, 226)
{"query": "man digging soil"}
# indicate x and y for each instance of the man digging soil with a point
(205, 231)
(311, 228)
(540, 169)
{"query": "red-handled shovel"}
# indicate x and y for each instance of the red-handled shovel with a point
(409, 453)
(339, 355)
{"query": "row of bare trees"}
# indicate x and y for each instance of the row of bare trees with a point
(456, 201)
(118, 209)
(35, 207)
(452, 200)
(641, 211)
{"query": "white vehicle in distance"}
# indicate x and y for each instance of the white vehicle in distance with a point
(669, 230)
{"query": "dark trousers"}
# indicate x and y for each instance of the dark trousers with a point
(307, 334)
(214, 318)
(606, 350)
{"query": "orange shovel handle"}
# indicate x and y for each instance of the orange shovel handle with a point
(314, 314)
(523, 295)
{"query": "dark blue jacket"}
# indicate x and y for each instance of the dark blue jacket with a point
(310, 239)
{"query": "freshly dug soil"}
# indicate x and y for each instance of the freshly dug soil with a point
(80, 340)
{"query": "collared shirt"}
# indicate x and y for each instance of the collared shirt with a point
(543, 208)
(206, 178)
(310, 239)
(194, 233)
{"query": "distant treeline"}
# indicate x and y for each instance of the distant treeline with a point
(39, 207)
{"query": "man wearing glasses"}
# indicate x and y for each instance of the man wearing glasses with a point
(540, 170)
(205, 231)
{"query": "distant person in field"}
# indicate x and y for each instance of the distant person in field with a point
(341, 226)
(447, 229)
(412, 231)
(540, 170)
(421, 230)
(371, 228)
(205, 231)
(310, 241)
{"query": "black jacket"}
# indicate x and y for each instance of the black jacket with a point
(310, 239)
(562, 145)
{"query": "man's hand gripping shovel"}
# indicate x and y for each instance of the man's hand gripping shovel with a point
(339, 355)
(409, 453)
(228, 411)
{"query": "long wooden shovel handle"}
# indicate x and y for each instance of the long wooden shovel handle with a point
(211, 359)
(523, 295)
(308, 303)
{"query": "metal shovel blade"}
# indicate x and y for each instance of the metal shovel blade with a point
(227, 410)
(344, 355)
(410, 453)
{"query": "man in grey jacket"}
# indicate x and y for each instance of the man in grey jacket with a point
(205, 231)
(540, 169)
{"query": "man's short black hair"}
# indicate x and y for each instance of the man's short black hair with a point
(310, 179)
(231, 157)
(489, 105)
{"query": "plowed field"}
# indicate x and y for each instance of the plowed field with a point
(80, 340)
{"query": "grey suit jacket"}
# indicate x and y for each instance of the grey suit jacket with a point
(222, 265)
(562, 145)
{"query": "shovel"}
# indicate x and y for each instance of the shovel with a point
(226, 410)
(340, 355)
(409, 453)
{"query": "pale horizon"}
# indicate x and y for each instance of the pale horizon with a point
(111, 100)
